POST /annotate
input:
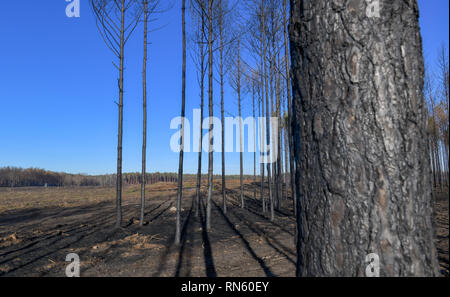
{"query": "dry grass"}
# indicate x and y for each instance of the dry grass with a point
(27, 198)
(137, 241)
(9, 240)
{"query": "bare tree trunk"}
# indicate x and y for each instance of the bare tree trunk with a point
(224, 197)
(278, 135)
(211, 114)
(202, 86)
(241, 156)
(271, 75)
(286, 162)
(120, 132)
(262, 40)
(183, 113)
(360, 140)
(445, 161)
(144, 111)
(261, 139)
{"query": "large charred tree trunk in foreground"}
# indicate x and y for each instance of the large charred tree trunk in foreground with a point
(361, 155)
(183, 113)
(144, 121)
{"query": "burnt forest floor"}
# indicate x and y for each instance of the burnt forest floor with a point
(40, 226)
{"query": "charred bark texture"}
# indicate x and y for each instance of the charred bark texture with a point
(120, 124)
(144, 121)
(361, 155)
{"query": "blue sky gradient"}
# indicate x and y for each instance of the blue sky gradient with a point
(58, 88)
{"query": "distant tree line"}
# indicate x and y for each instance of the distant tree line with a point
(35, 177)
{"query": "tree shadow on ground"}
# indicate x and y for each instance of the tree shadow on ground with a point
(260, 261)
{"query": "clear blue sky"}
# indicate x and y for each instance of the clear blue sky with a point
(57, 90)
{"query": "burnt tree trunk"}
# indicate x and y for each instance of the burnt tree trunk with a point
(144, 121)
(266, 92)
(222, 117)
(289, 105)
(183, 112)
(202, 103)
(241, 148)
(262, 88)
(362, 164)
(120, 130)
(261, 144)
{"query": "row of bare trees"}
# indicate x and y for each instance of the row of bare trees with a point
(355, 140)
(116, 21)
(269, 72)
(248, 43)
(220, 35)
(436, 92)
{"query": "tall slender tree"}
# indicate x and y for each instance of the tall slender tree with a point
(236, 83)
(116, 21)
(289, 106)
(253, 78)
(198, 13)
(221, 20)
(211, 112)
(241, 146)
(144, 120)
(149, 7)
(266, 87)
(183, 113)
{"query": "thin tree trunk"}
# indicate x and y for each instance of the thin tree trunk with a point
(211, 114)
(289, 104)
(278, 135)
(445, 159)
(261, 140)
(202, 81)
(267, 125)
(183, 112)
(254, 139)
(439, 164)
(266, 87)
(120, 132)
(286, 162)
(262, 40)
(224, 198)
(273, 182)
(144, 111)
(360, 140)
(241, 156)
(433, 164)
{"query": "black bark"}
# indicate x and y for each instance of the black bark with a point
(183, 112)
(362, 164)
(144, 121)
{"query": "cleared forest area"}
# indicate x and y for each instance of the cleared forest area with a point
(40, 226)
(35, 241)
